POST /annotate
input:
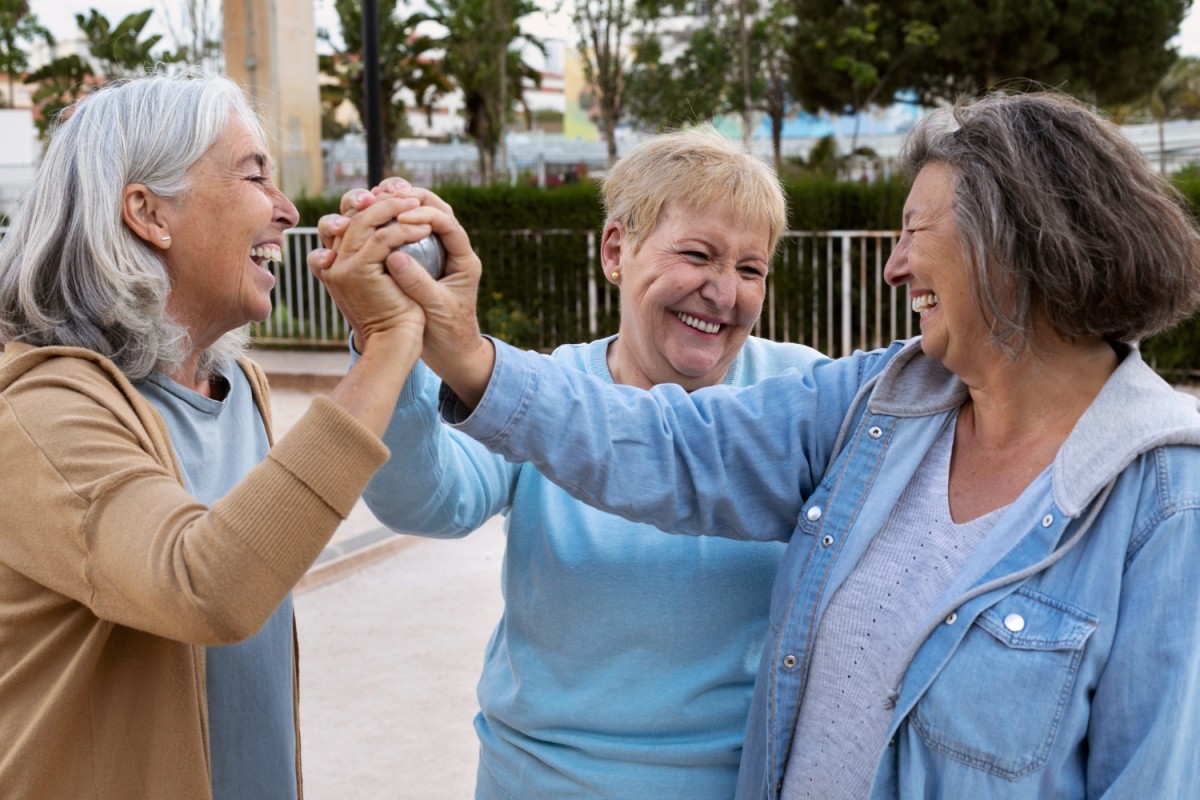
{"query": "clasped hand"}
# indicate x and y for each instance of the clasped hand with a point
(379, 288)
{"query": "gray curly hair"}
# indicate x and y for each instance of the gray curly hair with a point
(1061, 220)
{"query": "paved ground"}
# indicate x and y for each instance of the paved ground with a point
(392, 634)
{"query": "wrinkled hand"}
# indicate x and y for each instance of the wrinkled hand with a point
(451, 329)
(331, 227)
(353, 270)
(453, 346)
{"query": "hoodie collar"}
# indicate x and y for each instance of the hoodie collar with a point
(1135, 412)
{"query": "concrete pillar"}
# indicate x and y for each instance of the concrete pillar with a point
(270, 49)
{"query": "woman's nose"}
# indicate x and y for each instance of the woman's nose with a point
(285, 211)
(895, 271)
(721, 289)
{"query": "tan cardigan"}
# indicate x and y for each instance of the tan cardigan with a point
(113, 580)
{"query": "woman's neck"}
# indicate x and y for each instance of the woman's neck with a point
(1044, 390)
(188, 375)
(1016, 419)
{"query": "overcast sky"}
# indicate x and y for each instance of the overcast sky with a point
(59, 17)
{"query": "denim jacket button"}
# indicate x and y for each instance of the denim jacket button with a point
(1015, 623)
(1047, 520)
(952, 618)
(813, 514)
(789, 661)
(875, 432)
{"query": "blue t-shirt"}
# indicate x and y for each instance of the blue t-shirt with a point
(251, 717)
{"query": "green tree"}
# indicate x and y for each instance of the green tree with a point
(17, 24)
(847, 56)
(663, 93)
(404, 63)
(602, 26)
(849, 53)
(118, 51)
(197, 34)
(482, 50)
(1175, 96)
(771, 35)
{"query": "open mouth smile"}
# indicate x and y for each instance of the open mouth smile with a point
(698, 324)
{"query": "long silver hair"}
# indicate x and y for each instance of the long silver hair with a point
(71, 272)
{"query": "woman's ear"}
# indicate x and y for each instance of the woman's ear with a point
(611, 242)
(143, 211)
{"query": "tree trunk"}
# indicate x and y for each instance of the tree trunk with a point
(744, 41)
(777, 141)
(502, 71)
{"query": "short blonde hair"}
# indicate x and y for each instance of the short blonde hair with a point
(698, 168)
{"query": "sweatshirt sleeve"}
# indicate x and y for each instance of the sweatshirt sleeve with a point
(718, 461)
(92, 511)
(438, 482)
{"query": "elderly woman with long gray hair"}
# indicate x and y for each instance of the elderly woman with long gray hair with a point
(992, 581)
(152, 529)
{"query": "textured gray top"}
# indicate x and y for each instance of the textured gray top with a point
(866, 632)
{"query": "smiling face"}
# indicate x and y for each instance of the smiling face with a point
(225, 230)
(689, 296)
(929, 259)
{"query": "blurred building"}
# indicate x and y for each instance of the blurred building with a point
(262, 54)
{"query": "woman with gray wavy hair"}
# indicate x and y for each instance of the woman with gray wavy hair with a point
(152, 528)
(992, 581)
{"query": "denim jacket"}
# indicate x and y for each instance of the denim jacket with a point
(1064, 659)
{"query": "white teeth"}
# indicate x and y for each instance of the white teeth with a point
(268, 252)
(923, 302)
(700, 325)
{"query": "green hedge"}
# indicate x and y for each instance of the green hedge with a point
(812, 205)
(515, 312)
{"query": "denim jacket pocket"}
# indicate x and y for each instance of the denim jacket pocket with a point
(997, 703)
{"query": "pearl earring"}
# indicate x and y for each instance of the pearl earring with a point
(616, 275)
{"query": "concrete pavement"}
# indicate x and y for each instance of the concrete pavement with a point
(392, 636)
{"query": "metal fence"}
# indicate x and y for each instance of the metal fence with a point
(544, 288)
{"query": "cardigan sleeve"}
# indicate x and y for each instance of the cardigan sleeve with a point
(94, 509)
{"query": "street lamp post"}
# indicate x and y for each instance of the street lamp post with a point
(372, 101)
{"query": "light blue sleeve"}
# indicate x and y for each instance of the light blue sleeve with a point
(1144, 733)
(437, 482)
(719, 461)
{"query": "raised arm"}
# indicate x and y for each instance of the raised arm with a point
(719, 461)
(438, 482)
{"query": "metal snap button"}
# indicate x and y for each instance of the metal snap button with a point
(1015, 623)
(953, 618)
(789, 661)
(814, 514)
(826, 540)
(875, 432)
(1047, 520)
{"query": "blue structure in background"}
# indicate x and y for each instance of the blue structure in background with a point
(897, 118)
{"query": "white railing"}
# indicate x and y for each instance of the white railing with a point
(826, 290)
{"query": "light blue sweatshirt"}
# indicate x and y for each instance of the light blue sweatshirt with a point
(624, 663)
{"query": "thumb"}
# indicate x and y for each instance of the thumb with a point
(411, 277)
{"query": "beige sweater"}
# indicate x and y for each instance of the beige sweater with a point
(113, 579)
